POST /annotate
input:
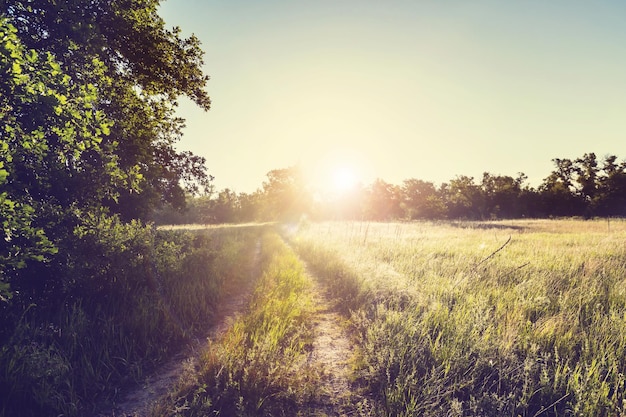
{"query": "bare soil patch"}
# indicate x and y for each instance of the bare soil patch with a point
(332, 351)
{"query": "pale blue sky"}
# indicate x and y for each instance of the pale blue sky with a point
(404, 89)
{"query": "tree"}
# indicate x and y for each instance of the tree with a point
(285, 196)
(611, 192)
(225, 207)
(418, 196)
(249, 206)
(558, 195)
(564, 172)
(54, 166)
(383, 201)
(501, 195)
(137, 69)
(464, 198)
(587, 178)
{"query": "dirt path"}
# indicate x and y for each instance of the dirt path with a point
(330, 355)
(139, 401)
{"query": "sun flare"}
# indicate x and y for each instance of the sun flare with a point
(344, 179)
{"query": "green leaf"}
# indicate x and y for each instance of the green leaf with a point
(16, 68)
(31, 56)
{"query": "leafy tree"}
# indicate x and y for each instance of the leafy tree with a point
(54, 166)
(564, 172)
(224, 209)
(611, 194)
(501, 195)
(285, 195)
(558, 195)
(587, 178)
(464, 198)
(383, 201)
(418, 198)
(249, 206)
(137, 69)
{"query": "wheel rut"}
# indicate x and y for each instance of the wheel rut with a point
(138, 401)
(331, 354)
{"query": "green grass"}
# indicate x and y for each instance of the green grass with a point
(519, 318)
(134, 297)
(259, 367)
(451, 325)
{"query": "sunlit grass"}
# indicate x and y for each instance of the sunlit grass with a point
(228, 226)
(490, 318)
(259, 367)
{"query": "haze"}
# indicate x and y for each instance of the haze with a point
(403, 89)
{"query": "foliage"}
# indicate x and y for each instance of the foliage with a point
(581, 187)
(130, 299)
(53, 164)
(285, 195)
(134, 69)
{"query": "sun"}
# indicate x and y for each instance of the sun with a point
(344, 179)
(336, 172)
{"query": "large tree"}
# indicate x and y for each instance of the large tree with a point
(54, 166)
(138, 69)
(88, 92)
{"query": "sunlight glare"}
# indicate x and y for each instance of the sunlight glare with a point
(344, 179)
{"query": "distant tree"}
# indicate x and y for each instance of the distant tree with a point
(464, 198)
(418, 198)
(250, 206)
(611, 192)
(587, 180)
(501, 195)
(563, 173)
(530, 203)
(558, 194)
(225, 207)
(285, 195)
(382, 201)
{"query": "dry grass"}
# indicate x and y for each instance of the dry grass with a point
(454, 318)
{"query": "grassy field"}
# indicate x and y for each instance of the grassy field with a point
(520, 318)
(258, 367)
(144, 295)
(517, 318)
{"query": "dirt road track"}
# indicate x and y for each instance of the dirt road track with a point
(138, 401)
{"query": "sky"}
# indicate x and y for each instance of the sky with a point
(357, 90)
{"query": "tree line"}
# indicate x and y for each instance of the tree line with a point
(585, 187)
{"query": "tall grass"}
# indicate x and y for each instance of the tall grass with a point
(453, 320)
(259, 367)
(132, 297)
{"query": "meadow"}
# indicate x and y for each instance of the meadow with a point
(500, 318)
(517, 318)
